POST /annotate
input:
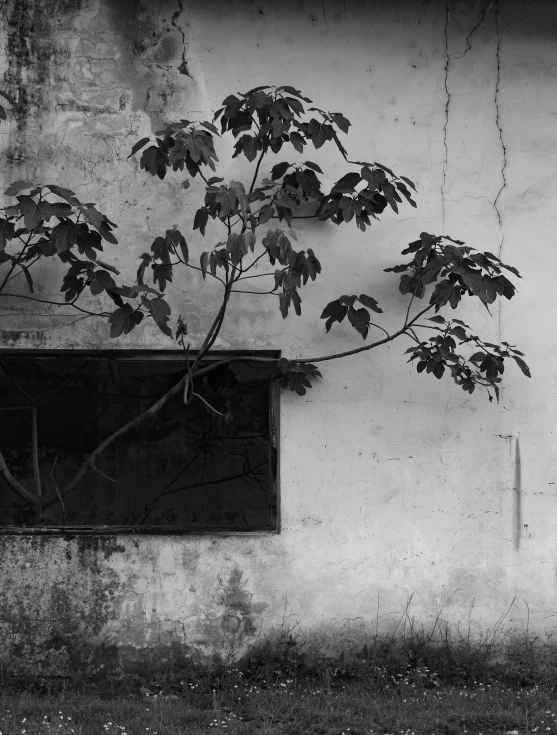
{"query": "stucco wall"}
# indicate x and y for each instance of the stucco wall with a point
(393, 485)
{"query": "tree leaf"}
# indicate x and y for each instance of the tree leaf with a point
(359, 319)
(279, 170)
(410, 183)
(160, 311)
(340, 121)
(210, 127)
(227, 198)
(123, 320)
(137, 146)
(18, 186)
(31, 211)
(63, 236)
(335, 311)
(204, 262)
(249, 239)
(66, 194)
(178, 240)
(313, 166)
(298, 142)
(522, 365)
(370, 303)
(200, 220)
(284, 303)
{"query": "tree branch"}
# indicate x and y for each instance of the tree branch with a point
(16, 486)
(256, 172)
(196, 395)
(35, 451)
(55, 303)
(135, 422)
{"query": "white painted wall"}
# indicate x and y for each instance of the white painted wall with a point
(393, 485)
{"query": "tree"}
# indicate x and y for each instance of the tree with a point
(48, 221)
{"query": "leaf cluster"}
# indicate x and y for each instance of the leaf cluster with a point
(50, 221)
(269, 119)
(295, 376)
(457, 270)
(181, 144)
(335, 311)
(484, 367)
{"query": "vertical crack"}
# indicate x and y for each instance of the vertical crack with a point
(500, 131)
(448, 60)
(474, 29)
(183, 68)
(503, 151)
(447, 103)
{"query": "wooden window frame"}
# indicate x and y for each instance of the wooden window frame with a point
(178, 356)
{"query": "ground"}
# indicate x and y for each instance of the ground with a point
(415, 703)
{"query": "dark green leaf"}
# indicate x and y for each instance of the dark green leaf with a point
(312, 165)
(123, 320)
(101, 280)
(359, 319)
(66, 194)
(200, 220)
(284, 303)
(340, 121)
(18, 186)
(31, 211)
(179, 240)
(410, 183)
(63, 236)
(160, 311)
(227, 198)
(146, 259)
(297, 141)
(370, 302)
(279, 170)
(335, 311)
(204, 262)
(522, 365)
(210, 127)
(137, 146)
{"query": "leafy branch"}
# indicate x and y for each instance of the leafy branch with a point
(51, 222)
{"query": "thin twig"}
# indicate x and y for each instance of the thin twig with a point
(16, 486)
(60, 498)
(94, 467)
(54, 303)
(35, 451)
(208, 404)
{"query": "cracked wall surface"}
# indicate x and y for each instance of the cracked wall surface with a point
(393, 485)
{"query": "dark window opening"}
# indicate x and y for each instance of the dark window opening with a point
(207, 466)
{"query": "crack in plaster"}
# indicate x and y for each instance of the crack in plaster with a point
(183, 68)
(448, 60)
(499, 130)
(447, 103)
(474, 29)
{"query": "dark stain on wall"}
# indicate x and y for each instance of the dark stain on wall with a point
(153, 52)
(58, 596)
(32, 54)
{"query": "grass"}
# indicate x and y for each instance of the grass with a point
(409, 683)
(286, 707)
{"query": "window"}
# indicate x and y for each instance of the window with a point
(186, 469)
